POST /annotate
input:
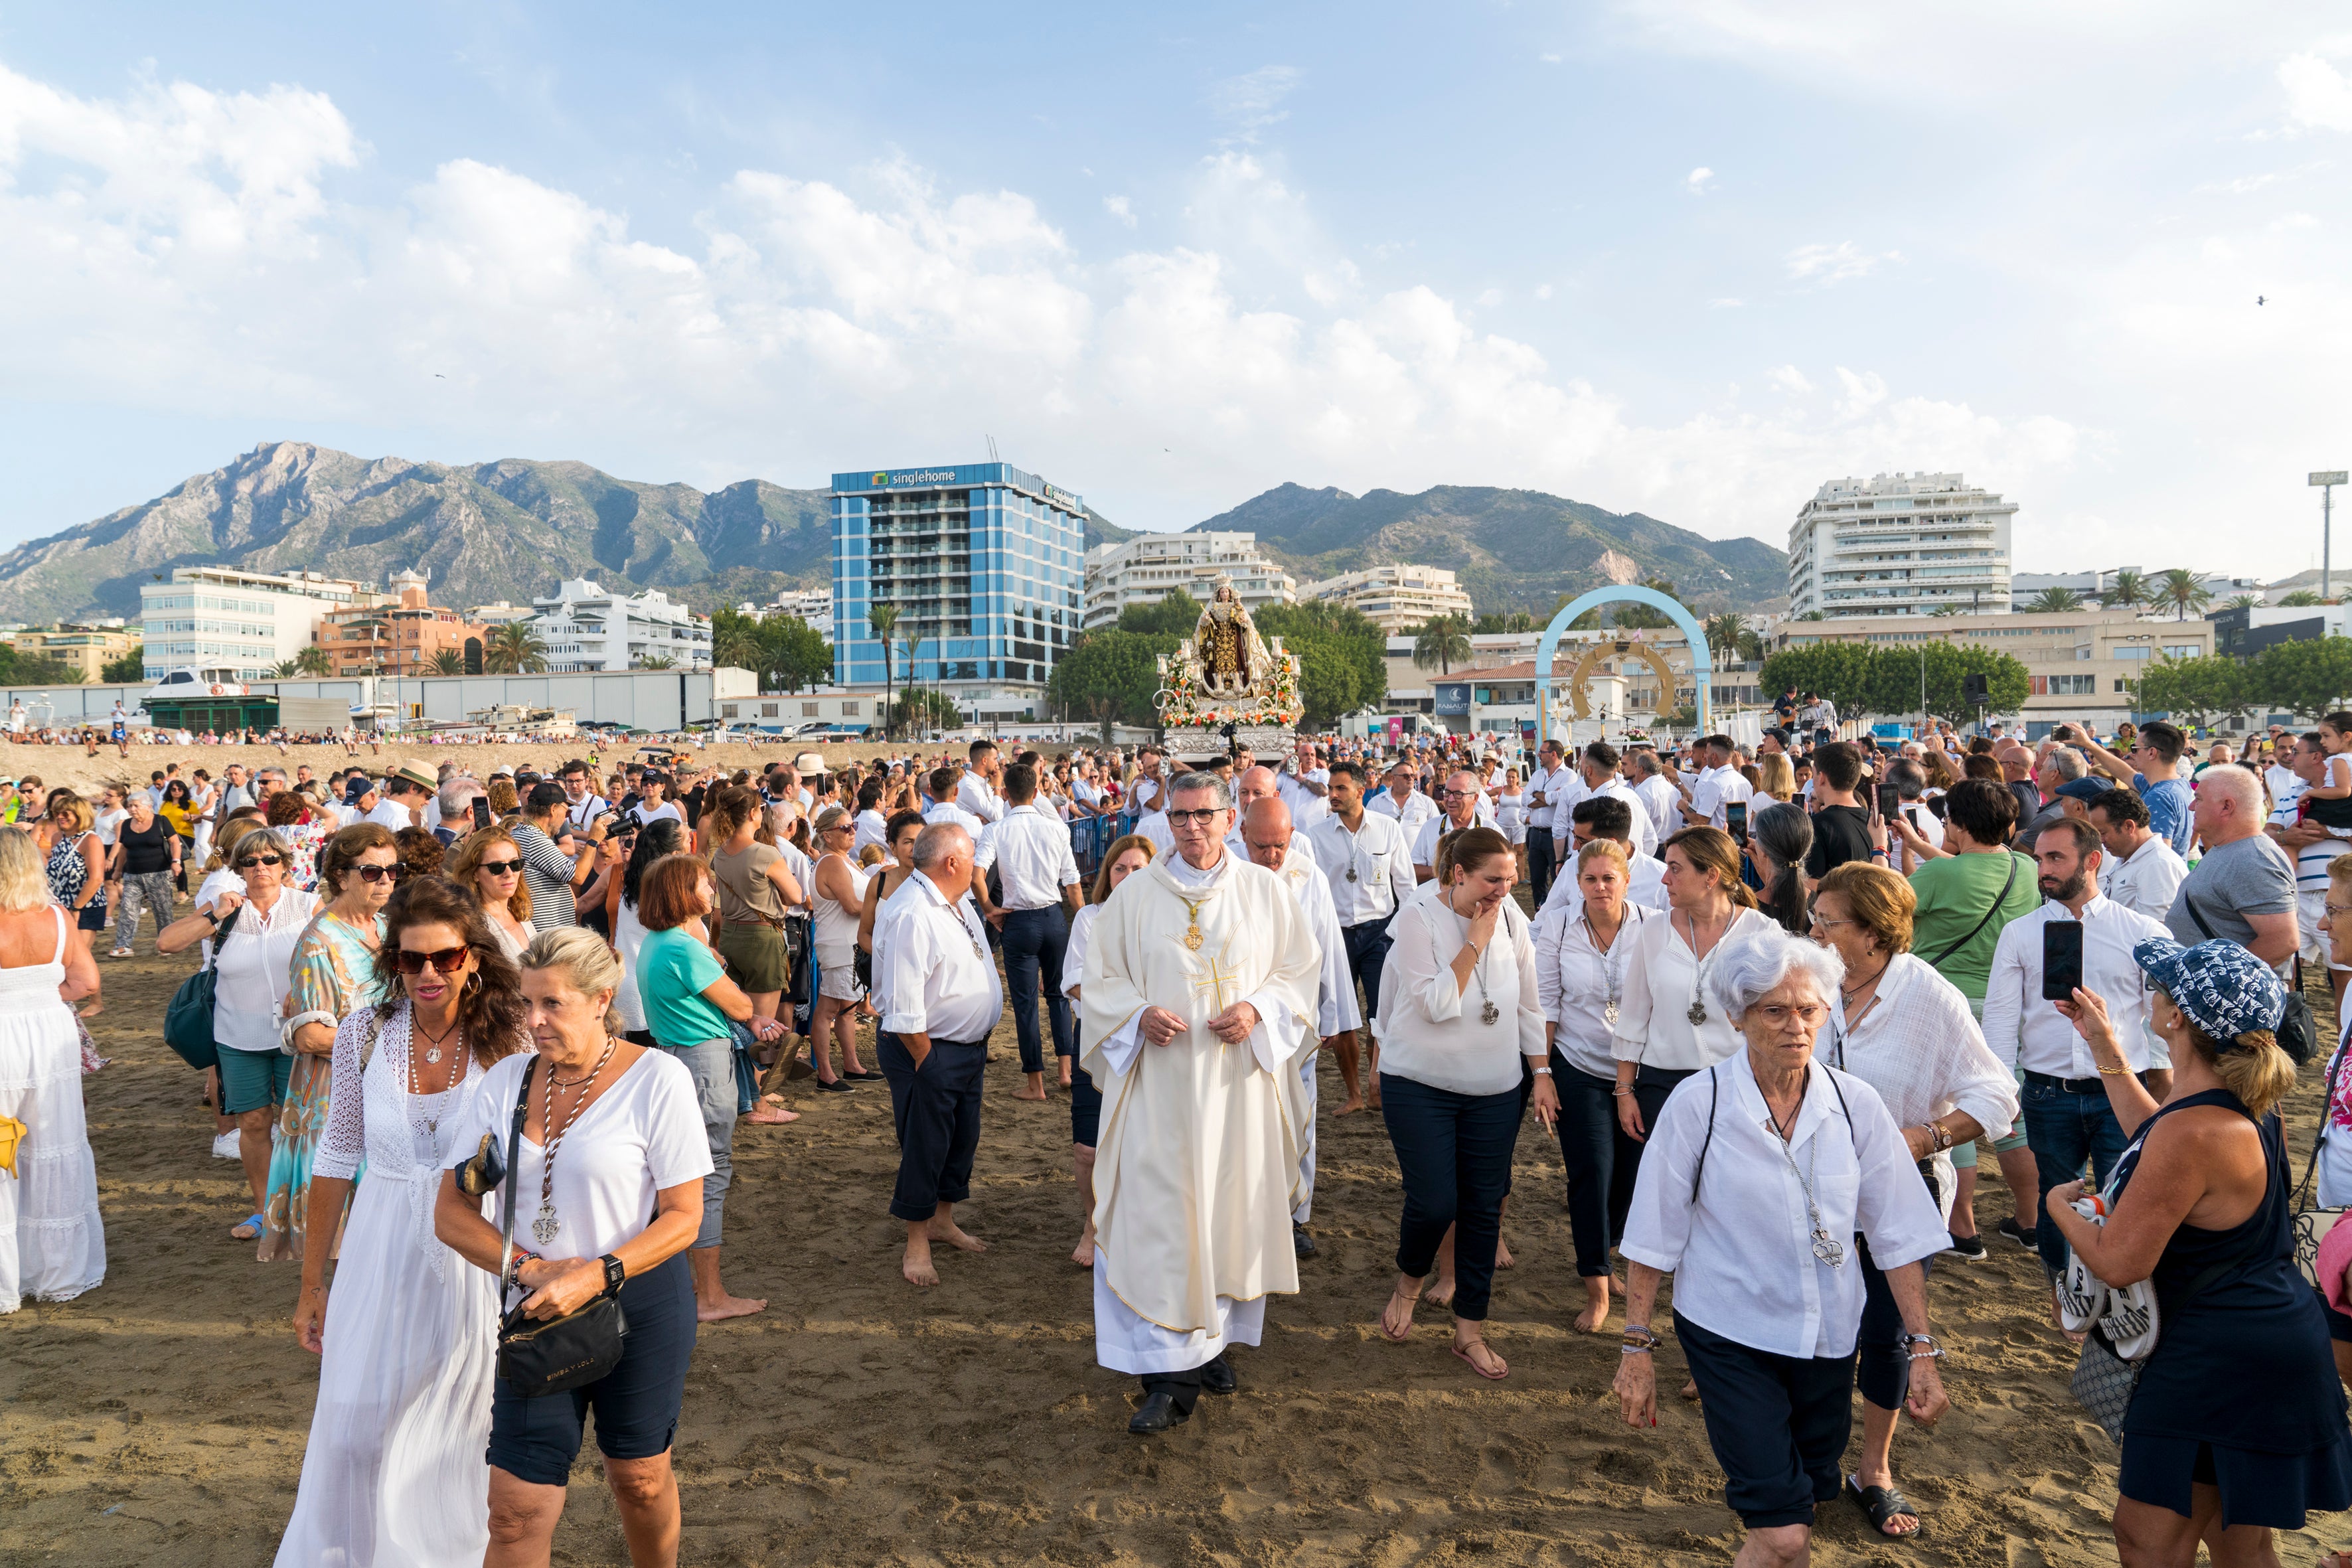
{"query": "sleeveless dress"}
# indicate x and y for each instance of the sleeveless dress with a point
(332, 971)
(395, 1473)
(52, 1243)
(2240, 1392)
(836, 936)
(68, 874)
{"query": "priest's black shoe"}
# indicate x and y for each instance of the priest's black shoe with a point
(1158, 1415)
(1217, 1378)
(1300, 1242)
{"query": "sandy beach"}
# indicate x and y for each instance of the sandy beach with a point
(160, 1419)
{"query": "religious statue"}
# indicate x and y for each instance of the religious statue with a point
(1234, 657)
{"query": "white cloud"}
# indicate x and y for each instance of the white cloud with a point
(2318, 97)
(1834, 263)
(1247, 104)
(1725, 303)
(1697, 180)
(1789, 378)
(1543, 290)
(1549, 59)
(1120, 208)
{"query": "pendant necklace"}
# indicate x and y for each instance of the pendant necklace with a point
(435, 1042)
(1697, 1014)
(1488, 1011)
(546, 1225)
(417, 1085)
(1614, 977)
(1192, 937)
(1826, 1247)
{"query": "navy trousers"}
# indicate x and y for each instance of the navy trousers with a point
(936, 1108)
(1368, 950)
(1035, 943)
(1778, 1424)
(1455, 1151)
(1601, 1161)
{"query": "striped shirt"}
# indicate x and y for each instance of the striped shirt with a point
(547, 872)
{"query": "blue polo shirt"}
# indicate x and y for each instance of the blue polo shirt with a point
(2167, 811)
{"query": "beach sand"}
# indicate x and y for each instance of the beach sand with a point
(161, 1418)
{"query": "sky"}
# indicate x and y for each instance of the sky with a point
(1687, 258)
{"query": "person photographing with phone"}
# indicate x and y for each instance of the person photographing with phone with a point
(2078, 939)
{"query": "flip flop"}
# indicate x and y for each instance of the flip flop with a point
(248, 1231)
(1464, 1357)
(1383, 1324)
(1883, 1503)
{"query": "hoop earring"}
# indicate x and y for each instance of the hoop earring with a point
(473, 984)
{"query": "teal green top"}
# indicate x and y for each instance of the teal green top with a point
(673, 970)
(1955, 894)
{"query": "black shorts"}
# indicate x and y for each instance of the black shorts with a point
(93, 916)
(636, 1404)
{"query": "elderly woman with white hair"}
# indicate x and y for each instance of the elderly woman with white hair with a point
(1760, 1172)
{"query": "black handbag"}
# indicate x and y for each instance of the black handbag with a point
(188, 1020)
(543, 1356)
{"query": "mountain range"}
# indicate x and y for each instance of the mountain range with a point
(511, 528)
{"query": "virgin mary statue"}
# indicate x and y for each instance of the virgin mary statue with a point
(1234, 657)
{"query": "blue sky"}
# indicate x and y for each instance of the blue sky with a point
(1685, 257)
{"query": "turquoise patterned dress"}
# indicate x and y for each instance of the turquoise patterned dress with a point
(333, 972)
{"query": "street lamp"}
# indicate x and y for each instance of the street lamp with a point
(2326, 479)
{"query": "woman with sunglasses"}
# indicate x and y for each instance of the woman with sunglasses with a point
(394, 1471)
(333, 975)
(488, 865)
(840, 889)
(77, 868)
(263, 919)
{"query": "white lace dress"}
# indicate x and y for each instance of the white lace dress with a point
(52, 1244)
(395, 1473)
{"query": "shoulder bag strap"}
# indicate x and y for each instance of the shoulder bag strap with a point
(220, 936)
(2187, 899)
(2319, 1140)
(514, 1179)
(374, 1033)
(1998, 901)
(1713, 1095)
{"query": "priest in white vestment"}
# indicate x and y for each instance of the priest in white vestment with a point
(1198, 994)
(1271, 841)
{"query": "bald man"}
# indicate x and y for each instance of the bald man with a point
(1269, 840)
(1255, 784)
(1458, 808)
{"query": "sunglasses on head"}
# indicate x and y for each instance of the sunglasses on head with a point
(500, 867)
(247, 862)
(447, 960)
(377, 873)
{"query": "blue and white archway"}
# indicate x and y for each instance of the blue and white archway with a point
(1548, 648)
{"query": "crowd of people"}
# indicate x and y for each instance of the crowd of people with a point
(484, 1046)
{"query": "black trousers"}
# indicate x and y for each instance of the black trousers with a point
(1650, 1087)
(1368, 950)
(1881, 1367)
(1778, 1424)
(1183, 1387)
(1035, 943)
(936, 1109)
(1539, 859)
(1454, 1153)
(1601, 1161)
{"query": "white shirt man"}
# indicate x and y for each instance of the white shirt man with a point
(1033, 862)
(2146, 879)
(984, 837)
(979, 797)
(1459, 813)
(1716, 788)
(1263, 784)
(392, 811)
(1369, 867)
(873, 827)
(1409, 810)
(583, 805)
(1661, 799)
(1645, 832)
(1548, 783)
(2030, 1034)
(1308, 807)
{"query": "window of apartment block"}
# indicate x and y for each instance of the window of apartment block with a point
(768, 710)
(808, 710)
(849, 709)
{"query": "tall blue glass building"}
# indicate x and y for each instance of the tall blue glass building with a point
(984, 562)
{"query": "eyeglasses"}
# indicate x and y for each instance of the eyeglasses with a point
(1199, 818)
(1775, 1013)
(500, 868)
(447, 960)
(368, 873)
(1457, 794)
(1824, 921)
(247, 862)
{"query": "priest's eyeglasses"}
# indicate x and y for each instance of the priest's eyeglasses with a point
(1201, 818)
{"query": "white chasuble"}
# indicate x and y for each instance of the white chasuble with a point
(1197, 1162)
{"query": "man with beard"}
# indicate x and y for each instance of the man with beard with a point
(2067, 1119)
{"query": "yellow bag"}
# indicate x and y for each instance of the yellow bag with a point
(12, 1132)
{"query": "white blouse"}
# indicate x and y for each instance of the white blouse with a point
(1074, 951)
(1917, 1045)
(1742, 1252)
(1582, 988)
(1432, 1029)
(257, 969)
(1663, 983)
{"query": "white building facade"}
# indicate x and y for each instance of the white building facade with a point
(587, 628)
(1900, 544)
(216, 617)
(813, 606)
(1399, 597)
(1149, 567)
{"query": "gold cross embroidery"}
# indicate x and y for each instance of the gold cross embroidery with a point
(1213, 980)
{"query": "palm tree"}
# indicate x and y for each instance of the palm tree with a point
(2184, 591)
(2301, 599)
(1728, 635)
(1443, 641)
(514, 649)
(2252, 602)
(1943, 611)
(447, 661)
(656, 661)
(883, 619)
(739, 646)
(2128, 589)
(312, 660)
(2053, 602)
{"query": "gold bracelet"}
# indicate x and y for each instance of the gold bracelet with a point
(2114, 1072)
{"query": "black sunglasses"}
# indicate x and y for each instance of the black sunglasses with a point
(447, 960)
(370, 873)
(247, 862)
(500, 868)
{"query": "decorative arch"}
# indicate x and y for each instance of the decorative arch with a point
(1547, 649)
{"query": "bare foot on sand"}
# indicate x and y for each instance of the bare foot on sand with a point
(767, 1115)
(1596, 1307)
(1350, 1106)
(1502, 1259)
(948, 1231)
(1083, 1255)
(1441, 1293)
(1026, 1093)
(727, 1307)
(1690, 1391)
(916, 1266)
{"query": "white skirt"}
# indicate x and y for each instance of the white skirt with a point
(837, 976)
(396, 1473)
(52, 1242)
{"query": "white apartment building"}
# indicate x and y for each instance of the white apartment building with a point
(584, 627)
(1399, 598)
(217, 617)
(813, 606)
(1149, 567)
(500, 614)
(1900, 544)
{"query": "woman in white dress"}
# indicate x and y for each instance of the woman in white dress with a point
(395, 1473)
(840, 899)
(52, 1245)
(490, 865)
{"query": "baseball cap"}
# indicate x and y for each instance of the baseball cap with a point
(2085, 789)
(358, 787)
(543, 795)
(2224, 989)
